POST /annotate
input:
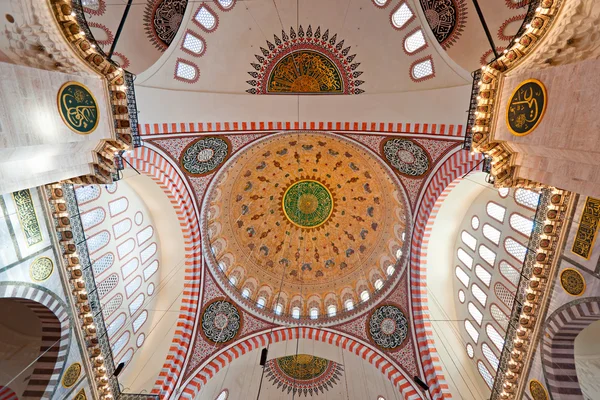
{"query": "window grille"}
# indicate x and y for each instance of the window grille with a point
(472, 331)
(401, 16)
(496, 211)
(483, 275)
(491, 233)
(479, 294)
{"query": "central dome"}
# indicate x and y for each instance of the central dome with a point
(311, 214)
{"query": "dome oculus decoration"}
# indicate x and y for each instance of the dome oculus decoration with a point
(303, 63)
(407, 157)
(446, 18)
(221, 321)
(303, 374)
(388, 327)
(203, 156)
(162, 19)
(316, 209)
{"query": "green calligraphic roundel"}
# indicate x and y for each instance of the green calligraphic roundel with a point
(307, 204)
(526, 107)
(78, 108)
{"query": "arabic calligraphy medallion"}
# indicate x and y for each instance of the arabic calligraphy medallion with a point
(526, 107)
(78, 108)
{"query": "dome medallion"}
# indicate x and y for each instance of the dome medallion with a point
(315, 214)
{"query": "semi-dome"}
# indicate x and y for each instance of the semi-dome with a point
(305, 222)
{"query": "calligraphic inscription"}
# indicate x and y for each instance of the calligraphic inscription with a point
(27, 217)
(305, 71)
(307, 203)
(80, 395)
(78, 108)
(526, 107)
(588, 228)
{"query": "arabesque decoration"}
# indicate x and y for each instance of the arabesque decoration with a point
(27, 217)
(305, 63)
(303, 374)
(162, 19)
(388, 327)
(446, 18)
(307, 203)
(572, 282)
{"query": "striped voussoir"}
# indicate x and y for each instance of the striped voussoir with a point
(7, 393)
(404, 384)
(160, 170)
(55, 338)
(558, 347)
(444, 179)
(387, 127)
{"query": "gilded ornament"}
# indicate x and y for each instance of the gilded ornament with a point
(572, 282)
(526, 107)
(307, 203)
(41, 269)
(305, 71)
(78, 108)
(80, 395)
(537, 390)
(27, 217)
(71, 375)
(587, 232)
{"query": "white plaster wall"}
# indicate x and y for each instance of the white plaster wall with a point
(587, 360)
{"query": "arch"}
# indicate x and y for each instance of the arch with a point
(209, 369)
(443, 181)
(558, 355)
(55, 336)
(151, 163)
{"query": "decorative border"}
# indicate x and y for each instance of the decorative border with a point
(587, 200)
(59, 93)
(214, 14)
(185, 80)
(123, 58)
(408, 22)
(191, 32)
(430, 76)
(408, 339)
(420, 49)
(102, 8)
(500, 34)
(109, 35)
(580, 275)
(226, 9)
(540, 84)
(49, 275)
(193, 142)
(151, 35)
(387, 3)
(396, 170)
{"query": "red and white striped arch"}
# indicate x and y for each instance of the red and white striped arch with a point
(388, 368)
(153, 164)
(444, 180)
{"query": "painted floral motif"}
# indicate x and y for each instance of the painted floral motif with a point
(41, 269)
(162, 20)
(205, 155)
(537, 390)
(307, 203)
(305, 62)
(221, 321)
(71, 375)
(303, 374)
(406, 156)
(388, 327)
(446, 18)
(572, 282)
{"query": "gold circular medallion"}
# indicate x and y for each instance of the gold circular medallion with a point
(307, 203)
(526, 107)
(537, 390)
(41, 269)
(71, 375)
(572, 282)
(78, 108)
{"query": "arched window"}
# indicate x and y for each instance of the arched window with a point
(116, 324)
(98, 241)
(85, 194)
(121, 228)
(469, 240)
(349, 304)
(150, 270)
(471, 331)
(462, 276)
(505, 295)
(92, 218)
(421, 70)
(107, 285)
(129, 267)
(364, 296)
(125, 248)
(225, 4)
(521, 224)
(118, 206)
(491, 233)
(510, 273)
(120, 343)
(475, 222)
(223, 395)
(475, 313)
(296, 312)
(132, 286)
(487, 254)
(186, 71)
(483, 275)
(126, 357)
(503, 192)
(496, 211)
(414, 41)
(398, 253)
(461, 296)
(490, 356)
(499, 316)
(145, 234)
(139, 321)
(485, 374)
(140, 340)
(479, 294)
(401, 16)
(278, 309)
(465, 258)
(515, 249)
(380, 3)
(246, 293)
(390, 270)
(314, 313)
(206, 19)
(135, 305)
(103, 263)
(148, 252)
(233, 280)
(331, 310)
(193, 44)
(261, 301)
(527, 198)
(495, 337)
(112, 305)
(470, 351)
(378, 284)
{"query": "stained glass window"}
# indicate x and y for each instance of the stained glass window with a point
(491, 233)
(503, 192)
(129, 267)
(414, 41)
(86, 194)
(527, 198)
(278, 309)
(331, 310)
(469, 240)
(148, 252)
(140, 340)
(378, 284)
(121, 342)
(223, 395)
(112, 305)
(364, 296)
(349, 304)
(401, 16)
(475, 222)
(479, 294)
(225, 3)
(472, 331)
(496, 211)
(125, 248)
(246, 293)
(296, 312)
(314, 313)
(470, 351)
(126, 357)
(483, 275)
(98, 241)
(107, 285)
(116, 324)
(490, 356)
(390, 270)
(193, 43)
(261, 301)
(461, 296)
